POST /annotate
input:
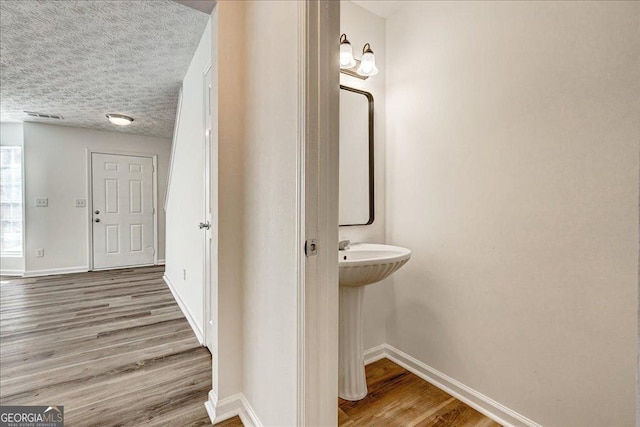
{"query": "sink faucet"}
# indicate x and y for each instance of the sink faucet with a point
(344, 244)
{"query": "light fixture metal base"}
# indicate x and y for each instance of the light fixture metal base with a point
(353, 71)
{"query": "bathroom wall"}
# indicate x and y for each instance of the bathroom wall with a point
(55, 159)
(185, 203)
(362, 26)
(512, 174)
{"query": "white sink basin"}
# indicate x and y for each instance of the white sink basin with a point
(366, 263)
(360, 265)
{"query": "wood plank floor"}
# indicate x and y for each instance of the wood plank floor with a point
(231, 422)
(399, 398)
(113, 347)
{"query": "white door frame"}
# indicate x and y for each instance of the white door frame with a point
(317, 186)
(210, 195)
(154, 159)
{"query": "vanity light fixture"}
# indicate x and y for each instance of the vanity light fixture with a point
(360, 68)
(368, 63)
(346, 53)
(119, 119)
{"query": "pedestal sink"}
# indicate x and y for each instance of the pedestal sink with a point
(360, 265)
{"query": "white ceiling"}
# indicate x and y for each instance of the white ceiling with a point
(383, 8)
(84, 59)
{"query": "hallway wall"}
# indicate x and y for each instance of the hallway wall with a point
(270, 282)
(185, 203)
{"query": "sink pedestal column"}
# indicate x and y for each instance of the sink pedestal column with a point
(352, 381)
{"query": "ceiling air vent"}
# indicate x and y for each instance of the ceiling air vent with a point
(44, 116)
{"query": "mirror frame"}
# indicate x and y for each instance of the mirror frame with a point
(371, 158)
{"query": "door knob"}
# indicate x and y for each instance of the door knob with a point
(97, 212)
(206, 225)
(97, 219)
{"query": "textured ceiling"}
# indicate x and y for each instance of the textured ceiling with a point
(83, 59)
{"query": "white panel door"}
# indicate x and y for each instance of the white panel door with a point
(123, 228)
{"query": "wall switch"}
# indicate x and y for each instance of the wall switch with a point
(42, 202)
(39, 253)
(81, 203)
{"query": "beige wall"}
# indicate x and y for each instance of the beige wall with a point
(512, 174)
(255, 43)
(269, 162)
(228, 119)
(56, 167)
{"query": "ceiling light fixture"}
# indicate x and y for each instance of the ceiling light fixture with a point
(360, 68)
(119, 119)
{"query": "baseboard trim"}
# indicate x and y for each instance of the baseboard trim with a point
(236, 405)
(196, 329)
(55, 271)
(478, 401)
(12, 273)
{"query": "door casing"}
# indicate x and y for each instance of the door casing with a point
(210, 211)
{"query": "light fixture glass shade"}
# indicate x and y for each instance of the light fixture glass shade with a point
(368, 62)
(346, 53)
(119, 119)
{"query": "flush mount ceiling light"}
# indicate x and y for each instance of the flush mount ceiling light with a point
(119, 119)
(360, 68)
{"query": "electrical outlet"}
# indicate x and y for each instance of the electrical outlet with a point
(81, 203)
(42, 202)
(184, 274)
(39, 253)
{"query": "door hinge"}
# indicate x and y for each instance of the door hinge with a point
(311, 247)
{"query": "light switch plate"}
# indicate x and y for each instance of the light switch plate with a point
(81, 203)
(42, 202)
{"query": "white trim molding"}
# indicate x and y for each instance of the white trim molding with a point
(11, 272)
(235, 405)
(301, 213)
(55, 271)
(161, 262)
(478, 401)
(185, 310)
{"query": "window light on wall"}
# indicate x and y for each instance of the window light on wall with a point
(361, 68)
